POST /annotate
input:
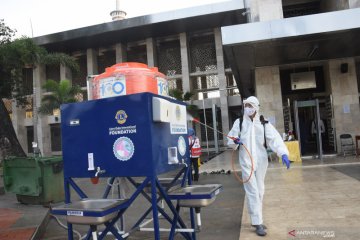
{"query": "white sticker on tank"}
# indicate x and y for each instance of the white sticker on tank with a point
(178, 124)
(181, 145)
(75, 213)
(91, 162)
(74, 122)
(162, 85)
(112, 86)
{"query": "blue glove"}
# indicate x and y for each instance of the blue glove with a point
(237, 141)
(285, 160)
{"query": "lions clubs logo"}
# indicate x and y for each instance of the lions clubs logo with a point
(121, 116)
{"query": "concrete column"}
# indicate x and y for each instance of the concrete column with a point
(41, 125)
(92, 66)
(18, 116)
(151, 52)
(222, 83)
(345, 94)
(121, 53)
(334, 5)
(265, 10)
(184, 62)
(354, 3)
(65, 73)
(254, 11)
(268, 91)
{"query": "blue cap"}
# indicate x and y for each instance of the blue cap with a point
(191, 132)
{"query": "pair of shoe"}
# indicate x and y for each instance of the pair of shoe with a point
(261, 225)
(260, 230)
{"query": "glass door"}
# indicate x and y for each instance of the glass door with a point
(309, 127)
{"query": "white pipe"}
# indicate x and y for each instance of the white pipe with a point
(198, 219)
(94, 235)
(125, 235)
(148, 221)
(110, 233)
(167, 230)
(64, 226)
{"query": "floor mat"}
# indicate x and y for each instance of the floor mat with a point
(349, 170)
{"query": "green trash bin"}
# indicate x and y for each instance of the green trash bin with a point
(35, 180)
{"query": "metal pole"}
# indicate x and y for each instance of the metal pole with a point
(297, 126)
(318, 130)
(35, 143)
(206, 134)
(333, 122)
(215, 128)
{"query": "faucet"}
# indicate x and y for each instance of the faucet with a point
(99, 171)
(183, 162)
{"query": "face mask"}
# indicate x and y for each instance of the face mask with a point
(249, 111)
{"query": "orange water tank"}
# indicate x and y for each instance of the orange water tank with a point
(128, 78)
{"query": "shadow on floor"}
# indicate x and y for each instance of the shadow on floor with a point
(205, 157)
(349, 170)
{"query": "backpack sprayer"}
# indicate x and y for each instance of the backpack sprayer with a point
(233, 153)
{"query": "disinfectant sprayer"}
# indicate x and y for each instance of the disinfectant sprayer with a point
(233, 153)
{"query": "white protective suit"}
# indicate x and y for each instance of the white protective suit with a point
(252, 136)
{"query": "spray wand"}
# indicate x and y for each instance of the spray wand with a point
(233, 153)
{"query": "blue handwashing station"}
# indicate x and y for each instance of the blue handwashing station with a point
(137, 138)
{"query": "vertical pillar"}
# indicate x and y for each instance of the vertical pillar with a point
(268, 91)
(354, 3)
(265, 10)
(151, 52)
(65, 73)
(184, 62)
(41, 126)
(18, 116)
(224, 106)
(121, 54)
(92, 66)
(345, 94)
(335, 5)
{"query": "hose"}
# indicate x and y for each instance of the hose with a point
(122, 219)
(232, 156)
(233, 165)
(64, 226)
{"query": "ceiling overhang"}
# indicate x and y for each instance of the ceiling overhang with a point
(289, 41)
(139, 28)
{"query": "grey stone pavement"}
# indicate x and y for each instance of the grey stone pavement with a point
(312, 200)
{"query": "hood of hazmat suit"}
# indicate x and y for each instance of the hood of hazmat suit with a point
(252, 136)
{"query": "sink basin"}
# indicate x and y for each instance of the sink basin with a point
(196, 195)
(75, 211)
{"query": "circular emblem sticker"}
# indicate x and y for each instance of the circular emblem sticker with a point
(123, 148)
(121, 116)
(181, 146)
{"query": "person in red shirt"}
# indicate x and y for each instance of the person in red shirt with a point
(195, 153)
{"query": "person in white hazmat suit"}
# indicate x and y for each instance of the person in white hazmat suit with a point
(252, 136)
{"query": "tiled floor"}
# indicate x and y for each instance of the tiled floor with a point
(8, 217)
(312, 199)
(318, 199)
(318, 196)
(17, 234)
